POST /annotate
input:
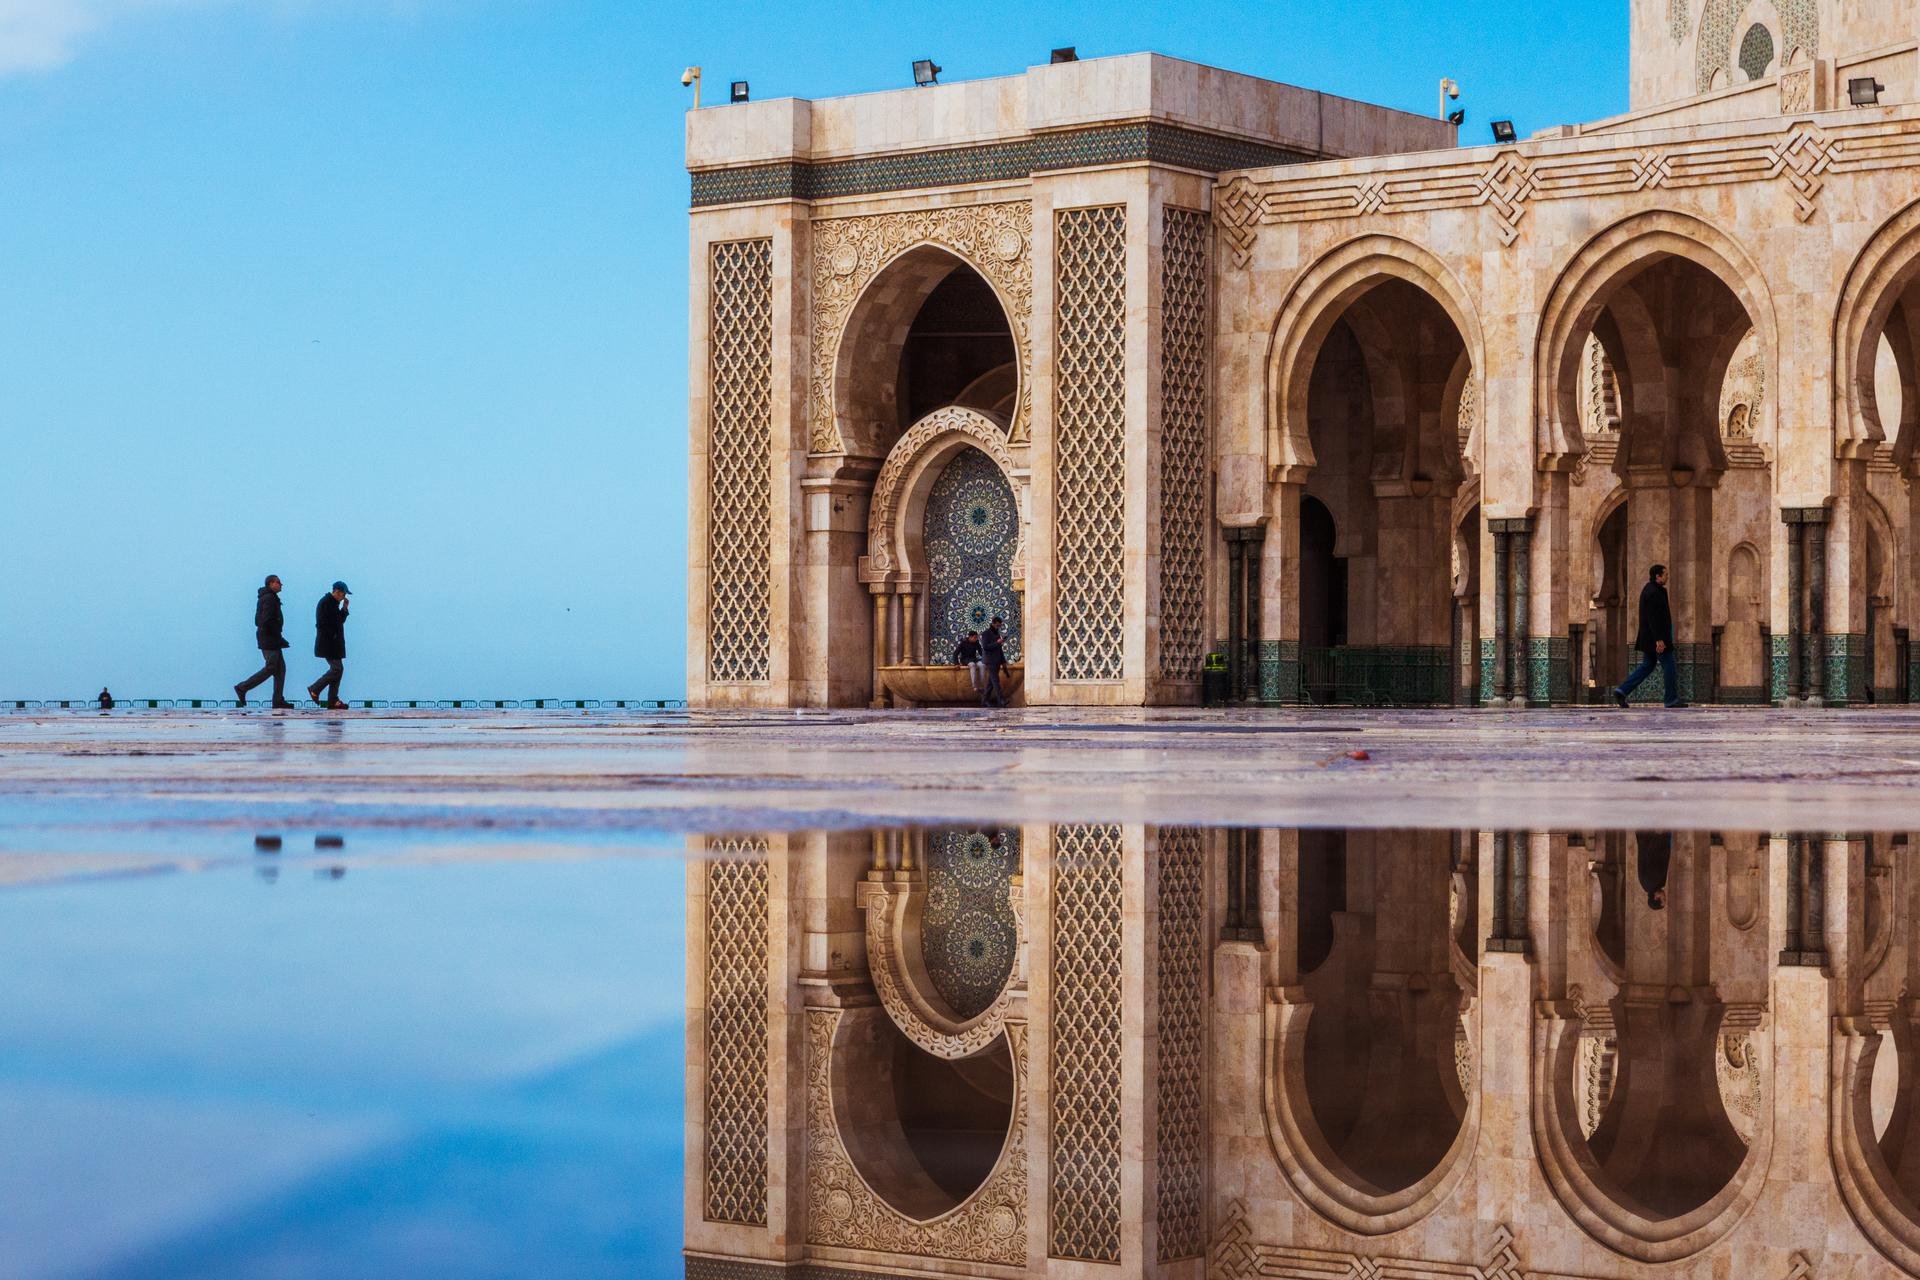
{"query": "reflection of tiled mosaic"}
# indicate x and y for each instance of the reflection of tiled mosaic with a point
(1090, 442)
(1184, 453)
(740, 461)
(1714, 52)
(971, 532)
(736, 1032)
(968, 933)
(992, 162)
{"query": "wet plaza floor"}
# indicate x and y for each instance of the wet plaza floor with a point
(1159, 993)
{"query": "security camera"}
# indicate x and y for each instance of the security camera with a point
(689, 75)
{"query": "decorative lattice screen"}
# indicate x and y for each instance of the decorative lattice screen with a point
(1085, 1138)
(1090, 442)
(1183, 443)
(736, 1032)
(1181, 1025)
(740, 462)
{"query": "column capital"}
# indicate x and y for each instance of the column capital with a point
(1806, 515)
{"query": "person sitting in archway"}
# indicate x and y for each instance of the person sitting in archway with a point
(967, 654)
(1654, 641)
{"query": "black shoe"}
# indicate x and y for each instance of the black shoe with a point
(281, 704)
(315, 695)
(1620, 699)
(1677, 706)
(240, 695)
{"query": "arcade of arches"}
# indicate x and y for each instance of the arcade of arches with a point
(1589, 1053)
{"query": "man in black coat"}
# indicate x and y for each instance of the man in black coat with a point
(1654, 641)
(269, 633)
(1656, 860)
(330, 642)
(993, 655)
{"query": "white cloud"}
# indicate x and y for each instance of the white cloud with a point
(36, 35)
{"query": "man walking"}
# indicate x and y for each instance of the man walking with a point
(330, 642)
(269, 633)
(993, 655)
(1654, 641)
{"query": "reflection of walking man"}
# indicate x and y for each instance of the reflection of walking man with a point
(1656, 859)
(269, 633)
(330, 642)
(993, 654)
(1655, 641)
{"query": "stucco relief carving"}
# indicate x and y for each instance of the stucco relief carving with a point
(900, 991)
(1236, 1255)
(1802, 155)
(890, 487)
(850, 253)
(989, 1226)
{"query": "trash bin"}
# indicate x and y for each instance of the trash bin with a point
(1214, 690)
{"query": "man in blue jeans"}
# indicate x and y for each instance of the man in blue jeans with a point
(1655, 641)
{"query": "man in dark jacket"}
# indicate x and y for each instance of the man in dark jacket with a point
(993, 655)
(1656, 860)
(269, 629)
(1654, 641)
(967, 654)
(330, 642)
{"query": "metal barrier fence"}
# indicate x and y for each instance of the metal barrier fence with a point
(1377, 676)
(355, 704)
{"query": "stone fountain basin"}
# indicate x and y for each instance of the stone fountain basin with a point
(946, 686)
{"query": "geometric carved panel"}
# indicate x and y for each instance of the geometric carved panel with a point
(736, 1032)
(1181, 987)
(1714, 53)
(1183, 442)
(740, 462)
(1085, 1072)
(1090, 442)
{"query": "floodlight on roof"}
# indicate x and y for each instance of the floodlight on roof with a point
(1865, 92)
(1457, 118)
(1503, 131)
(1066, 54)
(925, 72)
(739, 93)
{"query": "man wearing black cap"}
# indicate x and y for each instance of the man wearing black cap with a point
(330, 642)
(268, 633)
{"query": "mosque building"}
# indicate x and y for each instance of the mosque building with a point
(1170, 366)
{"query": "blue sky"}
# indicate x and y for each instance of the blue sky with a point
(393, 291)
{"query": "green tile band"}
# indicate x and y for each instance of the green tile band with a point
(1147, 141)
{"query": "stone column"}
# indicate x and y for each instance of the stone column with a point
(1512, 588)
(1550, 657)
(1263, 683)
(1279, 594)
(1236, 616)
(879, 646)
(1496, 686)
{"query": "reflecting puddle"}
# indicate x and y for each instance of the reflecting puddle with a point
(966, 1051)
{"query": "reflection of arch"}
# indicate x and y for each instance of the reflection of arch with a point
(1884, 1209)
(844, 1209)
(1321, 298)
(1592, 280)
(907, 991)
(1309, 1161)
(1578, 1182)
(871, 274)
(914, 464)
(1881, 278)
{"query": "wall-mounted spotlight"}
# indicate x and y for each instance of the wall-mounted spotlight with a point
(1503, 131)
(691, 76)
(739, 93)
(1068, 54)
(1457, 118)
(925, 72)
(1865, 92)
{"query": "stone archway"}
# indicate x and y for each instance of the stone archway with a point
(1670, 302)
(979, 555)
(1374, 354)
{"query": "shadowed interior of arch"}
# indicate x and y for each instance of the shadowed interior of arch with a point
(1376, 605)
(924, 1132)
(1383, 1061)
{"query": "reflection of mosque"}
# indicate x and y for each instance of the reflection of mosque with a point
(1116, 1049)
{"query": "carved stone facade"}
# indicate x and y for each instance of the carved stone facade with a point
(1224, 393)
(735, 1033)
